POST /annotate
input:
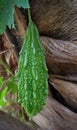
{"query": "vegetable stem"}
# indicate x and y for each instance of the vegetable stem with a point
(29, 15)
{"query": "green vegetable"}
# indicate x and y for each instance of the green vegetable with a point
(32, 73)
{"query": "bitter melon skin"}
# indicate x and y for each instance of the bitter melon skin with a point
(32, 73)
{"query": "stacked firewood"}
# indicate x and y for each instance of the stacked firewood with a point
(57, 23)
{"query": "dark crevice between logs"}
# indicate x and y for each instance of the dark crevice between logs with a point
(58, 97)
(59, 114)
(69, 78)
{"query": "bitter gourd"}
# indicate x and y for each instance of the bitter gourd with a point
(32, 73)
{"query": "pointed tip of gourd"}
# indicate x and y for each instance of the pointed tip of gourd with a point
(30, 115)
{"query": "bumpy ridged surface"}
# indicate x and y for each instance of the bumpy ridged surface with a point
(32, 73)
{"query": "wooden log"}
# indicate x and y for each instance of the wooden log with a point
(69, 78)
(9, 123)
(67, 90)
(61, 56)
(56, 117)
(57, 19)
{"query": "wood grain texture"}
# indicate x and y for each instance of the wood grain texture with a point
(57, 19)
(10, 123)
(56, 117)
(61, 56)
(67, 90)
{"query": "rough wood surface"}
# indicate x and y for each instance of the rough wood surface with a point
(61, 56)
(9, 123)
(56, 117)
(56, 18)
(67, 90)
